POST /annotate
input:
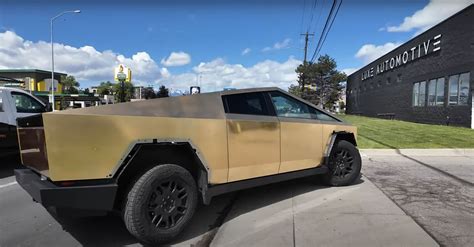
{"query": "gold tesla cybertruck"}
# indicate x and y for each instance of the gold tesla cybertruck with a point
(154, 160)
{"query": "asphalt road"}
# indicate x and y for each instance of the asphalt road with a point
(435, 191)
(26, 223)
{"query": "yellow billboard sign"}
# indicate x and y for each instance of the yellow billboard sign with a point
(123, 73)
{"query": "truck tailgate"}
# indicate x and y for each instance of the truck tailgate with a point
(32, 143)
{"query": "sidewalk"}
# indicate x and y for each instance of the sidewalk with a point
(419, 152)
(299, 213)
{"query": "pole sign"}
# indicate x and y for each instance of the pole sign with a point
(422, 49)
(195, 90)
(122, 73)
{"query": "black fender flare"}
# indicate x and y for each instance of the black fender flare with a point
(336, 136)
(201, 174)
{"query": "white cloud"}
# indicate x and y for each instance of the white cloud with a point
(90, 66)
(434, 12)
(246, 51)
(217, 74)
(278, 45)
(369, 52)
(165, 73)
(349, 71)
(85, 63)
(176, 59)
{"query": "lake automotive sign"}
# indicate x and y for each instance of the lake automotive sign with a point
(421, 50)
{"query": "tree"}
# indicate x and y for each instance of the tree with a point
(320, 83)
(105, 88)
(70, 84)
(128, 91)
(86, 91)
(295, 90)
(163, 92)
(149, 93)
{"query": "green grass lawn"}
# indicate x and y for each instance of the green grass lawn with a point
(380, 133)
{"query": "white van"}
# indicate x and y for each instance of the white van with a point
(15, 103)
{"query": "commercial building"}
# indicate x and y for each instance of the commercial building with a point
(33, 80)
(38, 82)
(429, 79)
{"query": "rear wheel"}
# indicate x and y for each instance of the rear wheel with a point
(160, 204)
(344, 164)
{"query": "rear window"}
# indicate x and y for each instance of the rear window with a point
(245, 103)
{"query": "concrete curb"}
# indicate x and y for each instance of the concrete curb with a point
(419, 152)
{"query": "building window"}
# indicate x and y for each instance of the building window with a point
(399, 78)
(436, 92)
(459, 89)
(388, 80)
(416, 93)
(419, 93)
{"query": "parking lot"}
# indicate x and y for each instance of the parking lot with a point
(401, 199)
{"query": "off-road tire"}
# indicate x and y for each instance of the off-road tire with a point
(140, 214)
(344, 164)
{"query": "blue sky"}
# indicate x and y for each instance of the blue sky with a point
(207, 37)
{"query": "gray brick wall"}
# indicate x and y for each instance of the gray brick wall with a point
(391, 91)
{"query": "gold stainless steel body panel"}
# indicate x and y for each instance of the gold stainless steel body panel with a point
(89, 143)
(254, 146)
(95, 149)
(301, 144)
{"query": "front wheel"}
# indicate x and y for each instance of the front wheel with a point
(160, 204)
(344, 164)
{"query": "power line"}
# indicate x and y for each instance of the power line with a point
(302, 17)
(317, 20)
(324, 30)
(323, 33)
(312, 15)
(332, 21)
(319, 15)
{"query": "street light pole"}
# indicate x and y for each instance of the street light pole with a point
(52, 54)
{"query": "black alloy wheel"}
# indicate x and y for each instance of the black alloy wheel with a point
(344, 164)
(160, 204)
(168, 204)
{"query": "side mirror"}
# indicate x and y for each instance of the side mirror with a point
(48, 107)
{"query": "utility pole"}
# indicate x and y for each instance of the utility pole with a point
(306, 44)
(306, 39)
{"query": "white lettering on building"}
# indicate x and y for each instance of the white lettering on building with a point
(405, 57)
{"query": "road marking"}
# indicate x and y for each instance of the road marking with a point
(6, 185)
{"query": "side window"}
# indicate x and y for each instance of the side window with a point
(26, 104)
(246, 103)
(323, 116)
(286, 106)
